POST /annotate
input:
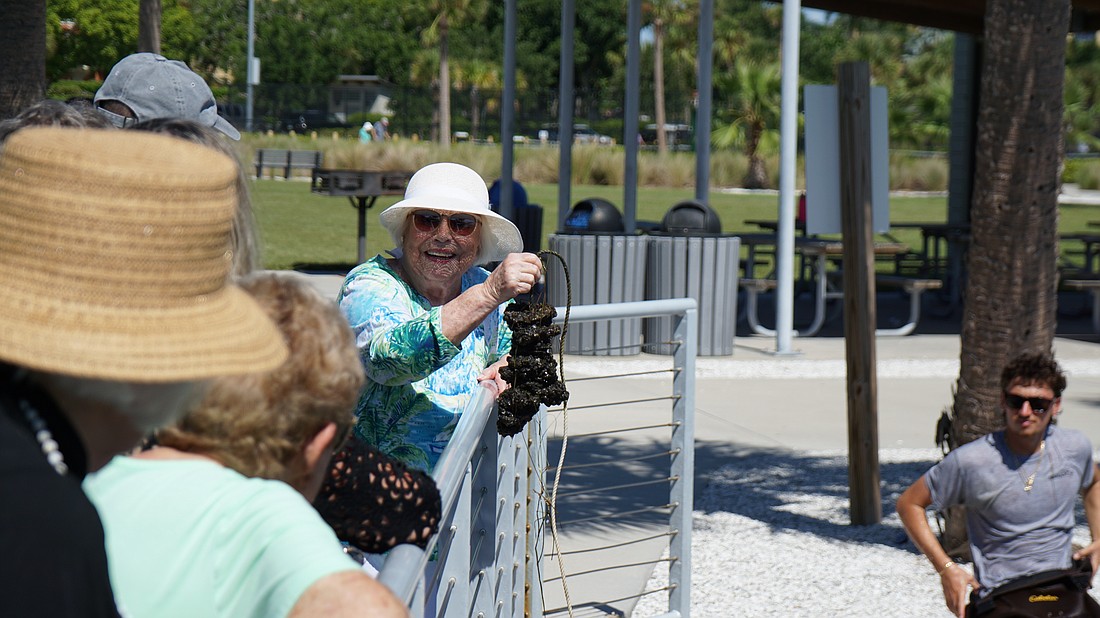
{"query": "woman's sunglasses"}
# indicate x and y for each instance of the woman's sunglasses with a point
(1038, 405)
(429, 221)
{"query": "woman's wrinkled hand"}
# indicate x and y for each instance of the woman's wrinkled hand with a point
(517, 274)
(490, 376)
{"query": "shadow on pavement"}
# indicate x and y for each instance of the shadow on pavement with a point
(758, 483)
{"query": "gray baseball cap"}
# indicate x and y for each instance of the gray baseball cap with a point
(153, 86)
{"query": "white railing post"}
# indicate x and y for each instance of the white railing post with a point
(536, 513)
(681, 493)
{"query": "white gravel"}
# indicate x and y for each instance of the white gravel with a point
(772, 537)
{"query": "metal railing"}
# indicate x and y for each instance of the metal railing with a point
(488, 558)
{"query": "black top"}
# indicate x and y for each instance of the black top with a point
(374, 502)
(52, 557)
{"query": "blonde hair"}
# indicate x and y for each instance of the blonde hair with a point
(257, 424)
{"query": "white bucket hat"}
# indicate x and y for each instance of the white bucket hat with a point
(455, 188)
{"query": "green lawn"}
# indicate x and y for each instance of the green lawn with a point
(300, 228)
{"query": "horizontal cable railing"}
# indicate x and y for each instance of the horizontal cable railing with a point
(498, 536)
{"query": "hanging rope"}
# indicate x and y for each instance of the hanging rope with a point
(535, 379)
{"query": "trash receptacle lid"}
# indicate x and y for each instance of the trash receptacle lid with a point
(593, 215)
(691, 217)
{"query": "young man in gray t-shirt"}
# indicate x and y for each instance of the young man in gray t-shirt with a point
(1019, 487)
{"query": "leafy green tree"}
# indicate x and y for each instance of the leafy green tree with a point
(1082, 96)
(920, 99)
(98, 33)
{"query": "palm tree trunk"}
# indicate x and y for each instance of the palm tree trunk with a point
(1012, 262)
(659, 83)
(756, 177)
(22, 55)
(444, 86)
(475, 113)
(149, 26)
(1010, 296)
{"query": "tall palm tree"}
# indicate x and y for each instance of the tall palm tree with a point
(754, 101)
(667, 17)
(22, 54)
(448, 13)
(658, 12)
(1009, 299)
(477, 75)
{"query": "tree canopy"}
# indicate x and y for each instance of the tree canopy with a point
(304, 45)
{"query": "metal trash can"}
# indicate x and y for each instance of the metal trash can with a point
(691, 258)
(528, 219)
(606, 265)
(526, 216)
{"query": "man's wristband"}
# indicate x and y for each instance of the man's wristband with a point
(946, 565)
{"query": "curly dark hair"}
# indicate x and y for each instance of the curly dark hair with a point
(1034, 369)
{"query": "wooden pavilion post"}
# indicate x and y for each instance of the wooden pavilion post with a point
(854, 105)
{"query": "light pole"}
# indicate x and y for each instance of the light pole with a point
(252, 78)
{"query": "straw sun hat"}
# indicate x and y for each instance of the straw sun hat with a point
(114, 257)
(455, 188)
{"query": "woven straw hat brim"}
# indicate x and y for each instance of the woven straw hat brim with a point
(114, 259)
(119, 345)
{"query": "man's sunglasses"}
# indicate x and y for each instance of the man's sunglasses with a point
(429, 221)
(1038, 404)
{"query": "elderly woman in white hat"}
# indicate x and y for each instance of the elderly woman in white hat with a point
(428, 320)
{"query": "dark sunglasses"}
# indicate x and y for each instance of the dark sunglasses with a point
(1038, 404)
(429, 221)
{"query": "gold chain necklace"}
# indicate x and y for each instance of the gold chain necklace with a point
(1030, 480)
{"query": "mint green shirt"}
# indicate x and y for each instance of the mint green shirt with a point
(195, 539)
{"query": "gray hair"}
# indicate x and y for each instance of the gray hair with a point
(50, 112)
(148, 405)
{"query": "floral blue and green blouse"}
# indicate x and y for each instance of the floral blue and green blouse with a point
(418, 382)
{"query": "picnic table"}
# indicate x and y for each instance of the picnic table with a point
(826, 265)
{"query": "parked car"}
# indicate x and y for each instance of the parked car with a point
(311, 120)
(582, 134)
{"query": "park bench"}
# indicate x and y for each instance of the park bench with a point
(1092, 286)
(286, 160)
